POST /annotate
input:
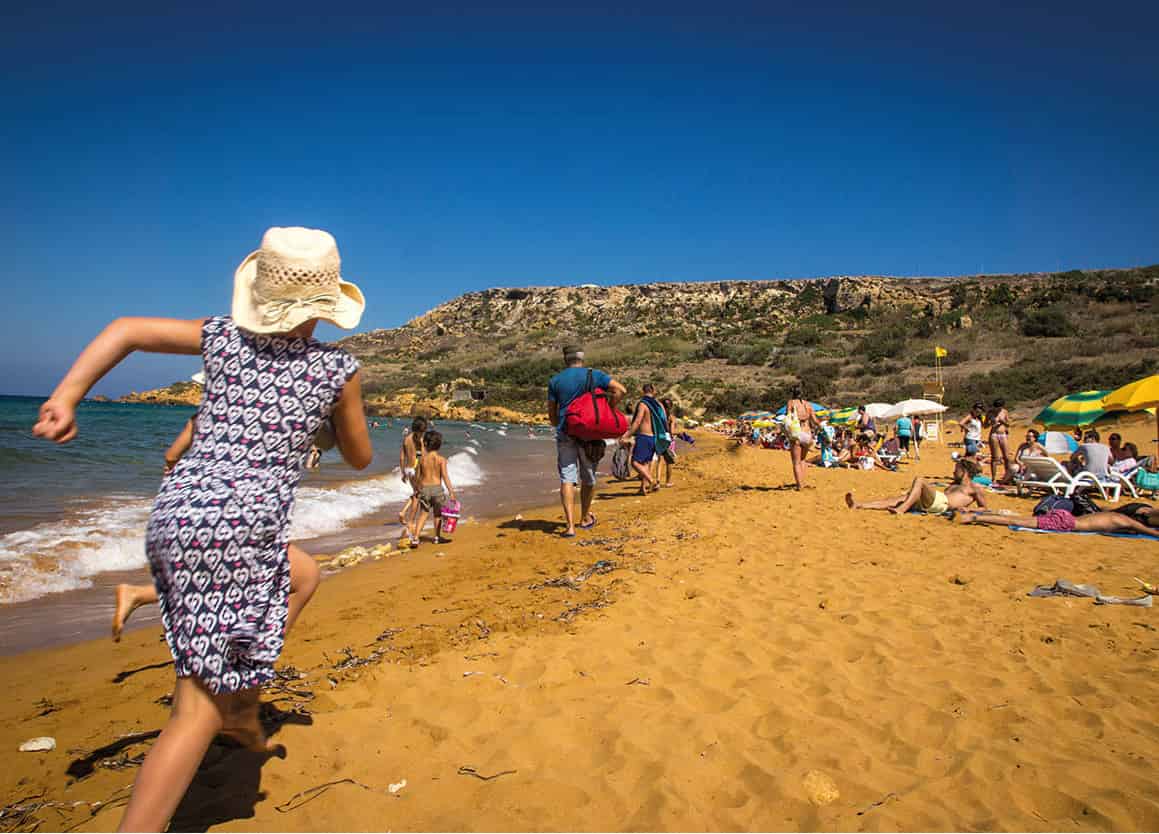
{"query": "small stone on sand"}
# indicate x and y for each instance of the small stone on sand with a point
(38, 745)
(820, 788)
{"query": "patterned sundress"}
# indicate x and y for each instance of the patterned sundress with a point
(218, 534)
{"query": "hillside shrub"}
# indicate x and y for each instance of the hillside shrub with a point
(1050, 323)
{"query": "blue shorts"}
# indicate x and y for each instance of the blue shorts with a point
(574, 466)
(972, 447)
(645, 449)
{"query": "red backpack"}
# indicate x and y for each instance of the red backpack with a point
(591, 416)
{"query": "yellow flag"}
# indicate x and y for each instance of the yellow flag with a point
(939, 351)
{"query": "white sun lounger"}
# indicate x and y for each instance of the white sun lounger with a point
(1049, 475)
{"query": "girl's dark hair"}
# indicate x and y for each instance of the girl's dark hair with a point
(433, 441)
(667, 403)
(1033, 432)
(999, 403)
(419, 425)
(1132, 449)
(795, 392)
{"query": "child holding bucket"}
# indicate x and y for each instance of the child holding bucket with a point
(432, 474)
(218, 534)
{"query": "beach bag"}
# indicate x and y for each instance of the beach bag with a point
(1083, 505)
(450, 515)
(1053, 502)
(591, 416)
(621, 469)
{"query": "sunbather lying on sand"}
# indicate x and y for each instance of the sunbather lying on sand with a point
(924, 496)
(1060, 521)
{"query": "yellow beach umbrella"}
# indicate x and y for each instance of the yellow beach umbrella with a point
(1139, 395)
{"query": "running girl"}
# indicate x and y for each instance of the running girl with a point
(217, 535)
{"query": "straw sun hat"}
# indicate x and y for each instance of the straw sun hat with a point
(293, 278)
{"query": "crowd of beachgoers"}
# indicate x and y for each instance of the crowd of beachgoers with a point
(229, 583)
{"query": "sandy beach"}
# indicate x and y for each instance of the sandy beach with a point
(727, 654)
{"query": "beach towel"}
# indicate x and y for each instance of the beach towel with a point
(659, 424)
(621, 467)
(1066, 588)
(1083, 533)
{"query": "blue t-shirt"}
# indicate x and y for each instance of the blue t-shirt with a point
(905, 427)
(569, 384)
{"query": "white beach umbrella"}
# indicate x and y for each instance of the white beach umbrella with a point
(877, 410)
(199, 377)
(913, 408)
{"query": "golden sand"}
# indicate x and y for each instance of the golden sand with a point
(758, 658)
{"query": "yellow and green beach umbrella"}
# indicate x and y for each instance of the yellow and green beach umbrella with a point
(1140, 395)
(841, 416)
(1081, 409)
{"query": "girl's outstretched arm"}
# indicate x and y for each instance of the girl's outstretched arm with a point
(58, 415)
(350, 425)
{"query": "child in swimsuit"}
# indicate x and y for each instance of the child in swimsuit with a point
(432, 474)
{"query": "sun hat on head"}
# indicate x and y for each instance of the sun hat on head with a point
(294, 277)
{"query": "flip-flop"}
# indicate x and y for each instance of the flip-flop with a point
(588, 526)
(569, 535)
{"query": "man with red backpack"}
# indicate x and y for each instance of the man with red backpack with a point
(581, 403)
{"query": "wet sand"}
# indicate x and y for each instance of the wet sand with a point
(753, 658)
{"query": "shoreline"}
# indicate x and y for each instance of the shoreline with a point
(746, 644)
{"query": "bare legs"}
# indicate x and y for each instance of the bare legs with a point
(304, 579)
(920, 492)
(198, 715)
(1106, 522)
(646, 482)
(567, 499)
(999, 452)
(797, 453)
(129, 599)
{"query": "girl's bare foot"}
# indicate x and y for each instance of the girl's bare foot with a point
(129, 599)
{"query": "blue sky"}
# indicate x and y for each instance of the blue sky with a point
(145, 151)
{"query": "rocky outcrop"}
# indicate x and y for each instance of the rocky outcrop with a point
(179, 393)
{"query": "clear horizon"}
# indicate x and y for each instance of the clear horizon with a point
(456, 150)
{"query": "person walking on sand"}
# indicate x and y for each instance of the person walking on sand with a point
(923, 495)
(800, 426)
(217, 534)
(409, 455)
(432, 475)
(668, 458)
(574, 462)
(648, 421)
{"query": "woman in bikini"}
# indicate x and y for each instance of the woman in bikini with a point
(999, 422)
(801, 423)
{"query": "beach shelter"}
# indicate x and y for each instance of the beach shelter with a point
(1081, 409)
(913, 408)
(877, 410)
(1059, 443)
(755, 415)
(1140, 395)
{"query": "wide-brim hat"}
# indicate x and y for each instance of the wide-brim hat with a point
(295, 276)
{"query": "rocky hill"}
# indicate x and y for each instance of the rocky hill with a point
(720, 348)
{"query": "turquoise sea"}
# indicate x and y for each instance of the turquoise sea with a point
(71, 513)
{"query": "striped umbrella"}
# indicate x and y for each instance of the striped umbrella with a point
(841, 416)
(1081, 409)
(755, 415)
(1140, 395)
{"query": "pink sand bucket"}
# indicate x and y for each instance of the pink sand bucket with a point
(450, 516)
